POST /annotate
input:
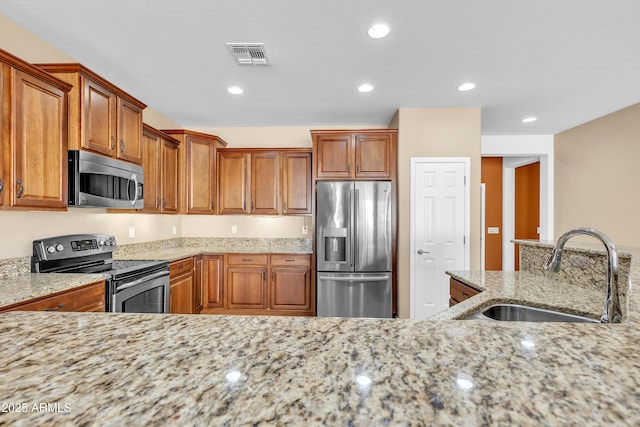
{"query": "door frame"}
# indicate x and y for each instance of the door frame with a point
(467, 217)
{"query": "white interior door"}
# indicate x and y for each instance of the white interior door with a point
(439, 231)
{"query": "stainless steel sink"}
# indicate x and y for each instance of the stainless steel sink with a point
(522, 313)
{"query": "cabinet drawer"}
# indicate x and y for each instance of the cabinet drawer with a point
(460, 292)
(247, 259)
(87, 298)
(303, 260)
(182, 266)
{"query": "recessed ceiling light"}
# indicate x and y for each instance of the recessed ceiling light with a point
(366, 87)
(529, 119)
(235, 90)
(466, 86)
(378, 31)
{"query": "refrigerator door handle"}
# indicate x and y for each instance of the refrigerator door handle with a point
(354, 229)
(355, 279)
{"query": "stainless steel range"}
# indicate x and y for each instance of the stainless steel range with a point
(131, 286)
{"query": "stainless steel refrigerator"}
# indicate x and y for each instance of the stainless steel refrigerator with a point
(353, 248)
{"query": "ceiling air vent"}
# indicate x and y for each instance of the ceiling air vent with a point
(249, 53)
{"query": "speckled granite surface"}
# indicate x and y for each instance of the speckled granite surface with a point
(223, 370)
(21, 288)
(141, 369)
(174, 249)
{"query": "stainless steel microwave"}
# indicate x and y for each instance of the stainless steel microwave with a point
(97, 181)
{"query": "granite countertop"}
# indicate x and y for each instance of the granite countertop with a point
(22, 288)
(175, 249)
(135, 369)
(120, 369)
(523, 288)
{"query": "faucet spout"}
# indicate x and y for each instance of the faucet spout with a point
(612, 312)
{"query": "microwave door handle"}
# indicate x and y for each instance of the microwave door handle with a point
(134, 178)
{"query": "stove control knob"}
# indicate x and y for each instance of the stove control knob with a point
(51, 249)
(101, 243)
(59, 247)
(112, 242)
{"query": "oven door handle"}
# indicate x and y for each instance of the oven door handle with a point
(142, 280)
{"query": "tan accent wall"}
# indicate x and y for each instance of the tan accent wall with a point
(434, 132)
(491, 176)
(597, 177)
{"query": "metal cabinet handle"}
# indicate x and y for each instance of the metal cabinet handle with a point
(54, 308)
(357, 168)
(20, 188)
(349, 168)
(273, 276)
(264, 276)
(113, 142)
(1, 186)
(122, 146)
(284, 205)
(253, 205)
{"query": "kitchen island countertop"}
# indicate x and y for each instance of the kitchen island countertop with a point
(244, 370)
(117, 369)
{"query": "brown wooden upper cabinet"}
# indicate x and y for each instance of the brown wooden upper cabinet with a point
(264, 181)
(366, 154)
(102, 118)
(196, 170)
(160, 163)
(33, 133)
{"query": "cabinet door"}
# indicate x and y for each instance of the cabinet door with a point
(5, 123)
(200, 175)
(334, 156)
(290, 288)
(296, 183)
(181, 282)
(40, 144)
(374, 156)
(198, 282)
(99, 119)
(265, 183)
(213, 281)
(169, 190)
(151, 162)
(129, 132)
(232, 182)
(181, 294)
(247, 287)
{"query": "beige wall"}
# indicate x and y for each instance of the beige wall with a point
(597, 177)
(434, 132)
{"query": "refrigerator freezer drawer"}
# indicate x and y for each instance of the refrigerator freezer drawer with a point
(354, 295)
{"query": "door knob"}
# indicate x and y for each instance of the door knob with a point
(420, 252)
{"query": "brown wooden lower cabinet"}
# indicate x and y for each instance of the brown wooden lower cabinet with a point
(263, 284)
(213, 281)
(459, 292)
(181, 280)
(90, 297)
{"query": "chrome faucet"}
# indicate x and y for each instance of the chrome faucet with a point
(612, 313)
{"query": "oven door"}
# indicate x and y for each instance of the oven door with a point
(148, 294)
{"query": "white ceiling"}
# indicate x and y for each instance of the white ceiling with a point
(564, 61)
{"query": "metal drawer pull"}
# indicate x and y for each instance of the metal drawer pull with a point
(54, 308)
(122, 146)
(20, 188)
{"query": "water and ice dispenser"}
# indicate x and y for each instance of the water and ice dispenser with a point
(335, 240)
